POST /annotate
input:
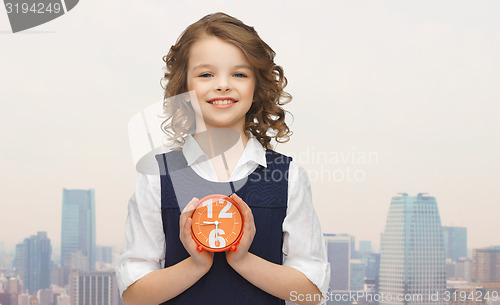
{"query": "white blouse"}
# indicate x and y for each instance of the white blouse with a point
(144, 248)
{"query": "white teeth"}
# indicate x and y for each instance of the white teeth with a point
(222, 102)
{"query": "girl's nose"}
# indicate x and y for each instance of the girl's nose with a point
(223, 84)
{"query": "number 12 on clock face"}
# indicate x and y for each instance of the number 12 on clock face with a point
(217, 223)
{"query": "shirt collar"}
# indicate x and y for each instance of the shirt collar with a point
(192, 151)
(254, 152)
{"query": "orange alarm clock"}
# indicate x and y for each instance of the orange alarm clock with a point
(217, 224)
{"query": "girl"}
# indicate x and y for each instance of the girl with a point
(234, 85)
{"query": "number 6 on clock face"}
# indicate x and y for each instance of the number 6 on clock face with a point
(217, 224)
(215, 240)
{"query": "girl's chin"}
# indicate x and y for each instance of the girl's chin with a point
(224, 124)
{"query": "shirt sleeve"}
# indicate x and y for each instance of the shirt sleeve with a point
(144, 245)
(303, 246)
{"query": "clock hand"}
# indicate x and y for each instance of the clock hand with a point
(216, 229)
(208, 223)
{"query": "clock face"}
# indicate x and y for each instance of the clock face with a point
(217, 223)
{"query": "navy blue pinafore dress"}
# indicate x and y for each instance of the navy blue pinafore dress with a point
(265, 191)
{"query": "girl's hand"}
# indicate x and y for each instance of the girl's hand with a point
(235, 257)
(203, 259)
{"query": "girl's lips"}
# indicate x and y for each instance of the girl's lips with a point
(222, 103)
(222, 106)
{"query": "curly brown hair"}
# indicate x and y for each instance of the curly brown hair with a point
(265, 119)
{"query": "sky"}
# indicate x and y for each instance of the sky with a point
(388, 97)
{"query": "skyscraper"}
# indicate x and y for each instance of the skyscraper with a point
(45, 297)
(78, 226)
(33, 262)
(455, 242)
(412, 258)
(463, 269)
(357, 274)
(90, 288)
(373, 267)
(339, 255)
(104, 254)
(365, 246)
(459, 270)
(486, 265)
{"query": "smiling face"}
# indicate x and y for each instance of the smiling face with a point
(224, 83)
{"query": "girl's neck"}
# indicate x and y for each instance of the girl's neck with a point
(224, 147)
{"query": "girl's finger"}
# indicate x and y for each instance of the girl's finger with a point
(190, 206)
(242, 204)
(246, 211)
(187, 226)
(185, 219)
(185, 230)
(182, 224)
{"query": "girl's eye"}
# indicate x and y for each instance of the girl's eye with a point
(240, 75)
(206, 75)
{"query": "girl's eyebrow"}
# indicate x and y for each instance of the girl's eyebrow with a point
(202, 66)
(243, 66)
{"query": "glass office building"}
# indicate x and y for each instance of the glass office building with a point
(455, 242)
(339, 256)
(33, 262)
(78, 226)
(412, 257)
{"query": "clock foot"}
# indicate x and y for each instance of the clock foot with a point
(199, 248)
(233, 248)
